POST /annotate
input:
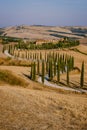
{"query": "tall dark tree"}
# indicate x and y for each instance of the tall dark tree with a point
(50, 70)
(54, 67)
(58, 71)
(43, 71)
(35, 55)
(72, 62)
(82, 75)
(3, 49)
(45, 56)
(9, 49)
(67, 73)
(34, 71)
(38, 67)
(40, 56)
(47, 67)
(28, 55)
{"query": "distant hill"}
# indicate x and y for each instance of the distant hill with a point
(44, 32)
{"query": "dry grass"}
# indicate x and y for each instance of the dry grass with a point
(82, 48)
(14, 62)
(25, 109)
(7, 77)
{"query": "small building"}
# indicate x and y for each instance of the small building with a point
(41, 41)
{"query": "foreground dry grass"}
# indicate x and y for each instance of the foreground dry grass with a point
(28, 109)
(38, 107)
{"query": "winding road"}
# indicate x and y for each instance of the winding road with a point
(47, 83)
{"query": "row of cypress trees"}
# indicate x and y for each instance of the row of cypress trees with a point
(35, 70)
(55, 64)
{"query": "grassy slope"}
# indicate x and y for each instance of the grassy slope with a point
(7, 77)
(26, 109)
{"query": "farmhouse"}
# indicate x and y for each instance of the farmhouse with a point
(41, 41)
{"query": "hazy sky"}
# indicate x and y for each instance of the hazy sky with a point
(43, 12)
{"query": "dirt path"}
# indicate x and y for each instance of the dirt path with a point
(47, 83)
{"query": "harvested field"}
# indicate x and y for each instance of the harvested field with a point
(41, 110)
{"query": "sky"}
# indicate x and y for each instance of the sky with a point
(43, 12)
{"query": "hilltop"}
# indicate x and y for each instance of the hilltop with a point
(44, 32)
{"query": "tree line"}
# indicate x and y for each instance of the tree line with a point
(55, 65)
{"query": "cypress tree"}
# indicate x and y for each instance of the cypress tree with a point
(38, 67)
(62, 66)
(54, 67)
(40, 56)
(46, 67)
(9, 49)
(43, 71)
(50, 70)
(31, 71)
(67, 73)
(28, 55)
(82, 75)
(56, 56)
(72, 63)
(58, 71)
(35, 56)
(60, 59)
(34, 71)
(53, 55)
(3, 49)
(63, 57)
(18, 54)
(45, 56)
(66, 59)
